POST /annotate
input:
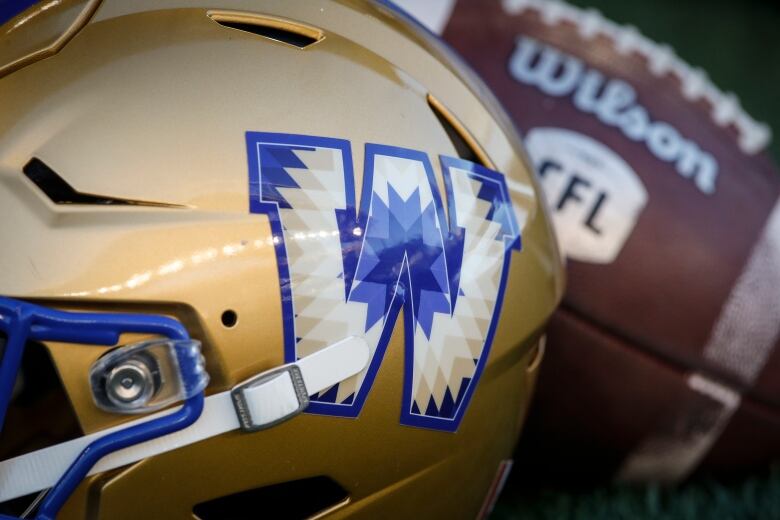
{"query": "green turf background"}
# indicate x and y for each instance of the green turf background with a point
(736, 41)
(753, 497)
(738, 44)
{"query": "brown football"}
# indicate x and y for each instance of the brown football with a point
(662, 358)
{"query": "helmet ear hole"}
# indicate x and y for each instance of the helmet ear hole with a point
(40, 413)
(229, 318)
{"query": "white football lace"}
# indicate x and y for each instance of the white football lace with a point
(695, 84)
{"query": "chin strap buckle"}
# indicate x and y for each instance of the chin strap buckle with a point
(269, 398)
(283, 392)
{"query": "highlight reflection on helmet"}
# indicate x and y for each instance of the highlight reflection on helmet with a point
(272, 215)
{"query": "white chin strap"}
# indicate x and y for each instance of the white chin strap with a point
(260, 402)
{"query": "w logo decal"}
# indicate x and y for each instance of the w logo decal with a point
(346, 272)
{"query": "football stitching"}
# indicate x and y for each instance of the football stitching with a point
(726, 109)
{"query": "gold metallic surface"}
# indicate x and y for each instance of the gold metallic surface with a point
(150, 100)
(41, 31)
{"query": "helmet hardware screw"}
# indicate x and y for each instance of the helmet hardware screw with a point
(130, 384)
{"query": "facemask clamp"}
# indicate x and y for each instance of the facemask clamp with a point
(147, 376)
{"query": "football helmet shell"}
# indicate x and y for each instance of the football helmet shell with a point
(127, 132)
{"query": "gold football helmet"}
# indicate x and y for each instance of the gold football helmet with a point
(258, 256)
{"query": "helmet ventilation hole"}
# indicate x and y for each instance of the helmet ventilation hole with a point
(297, 499)
(538, 354)
(229, 318)
(59, 191)
(464, 143)
(277, 29)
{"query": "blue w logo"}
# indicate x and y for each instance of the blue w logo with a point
(345, 271)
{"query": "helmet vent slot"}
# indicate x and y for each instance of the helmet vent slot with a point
(290, 500)
(277, 29)
(59, 191)
(464, 143)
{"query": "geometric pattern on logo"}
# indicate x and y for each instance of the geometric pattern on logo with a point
(348, 270)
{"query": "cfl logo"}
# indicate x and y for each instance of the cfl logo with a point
(594, 195)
